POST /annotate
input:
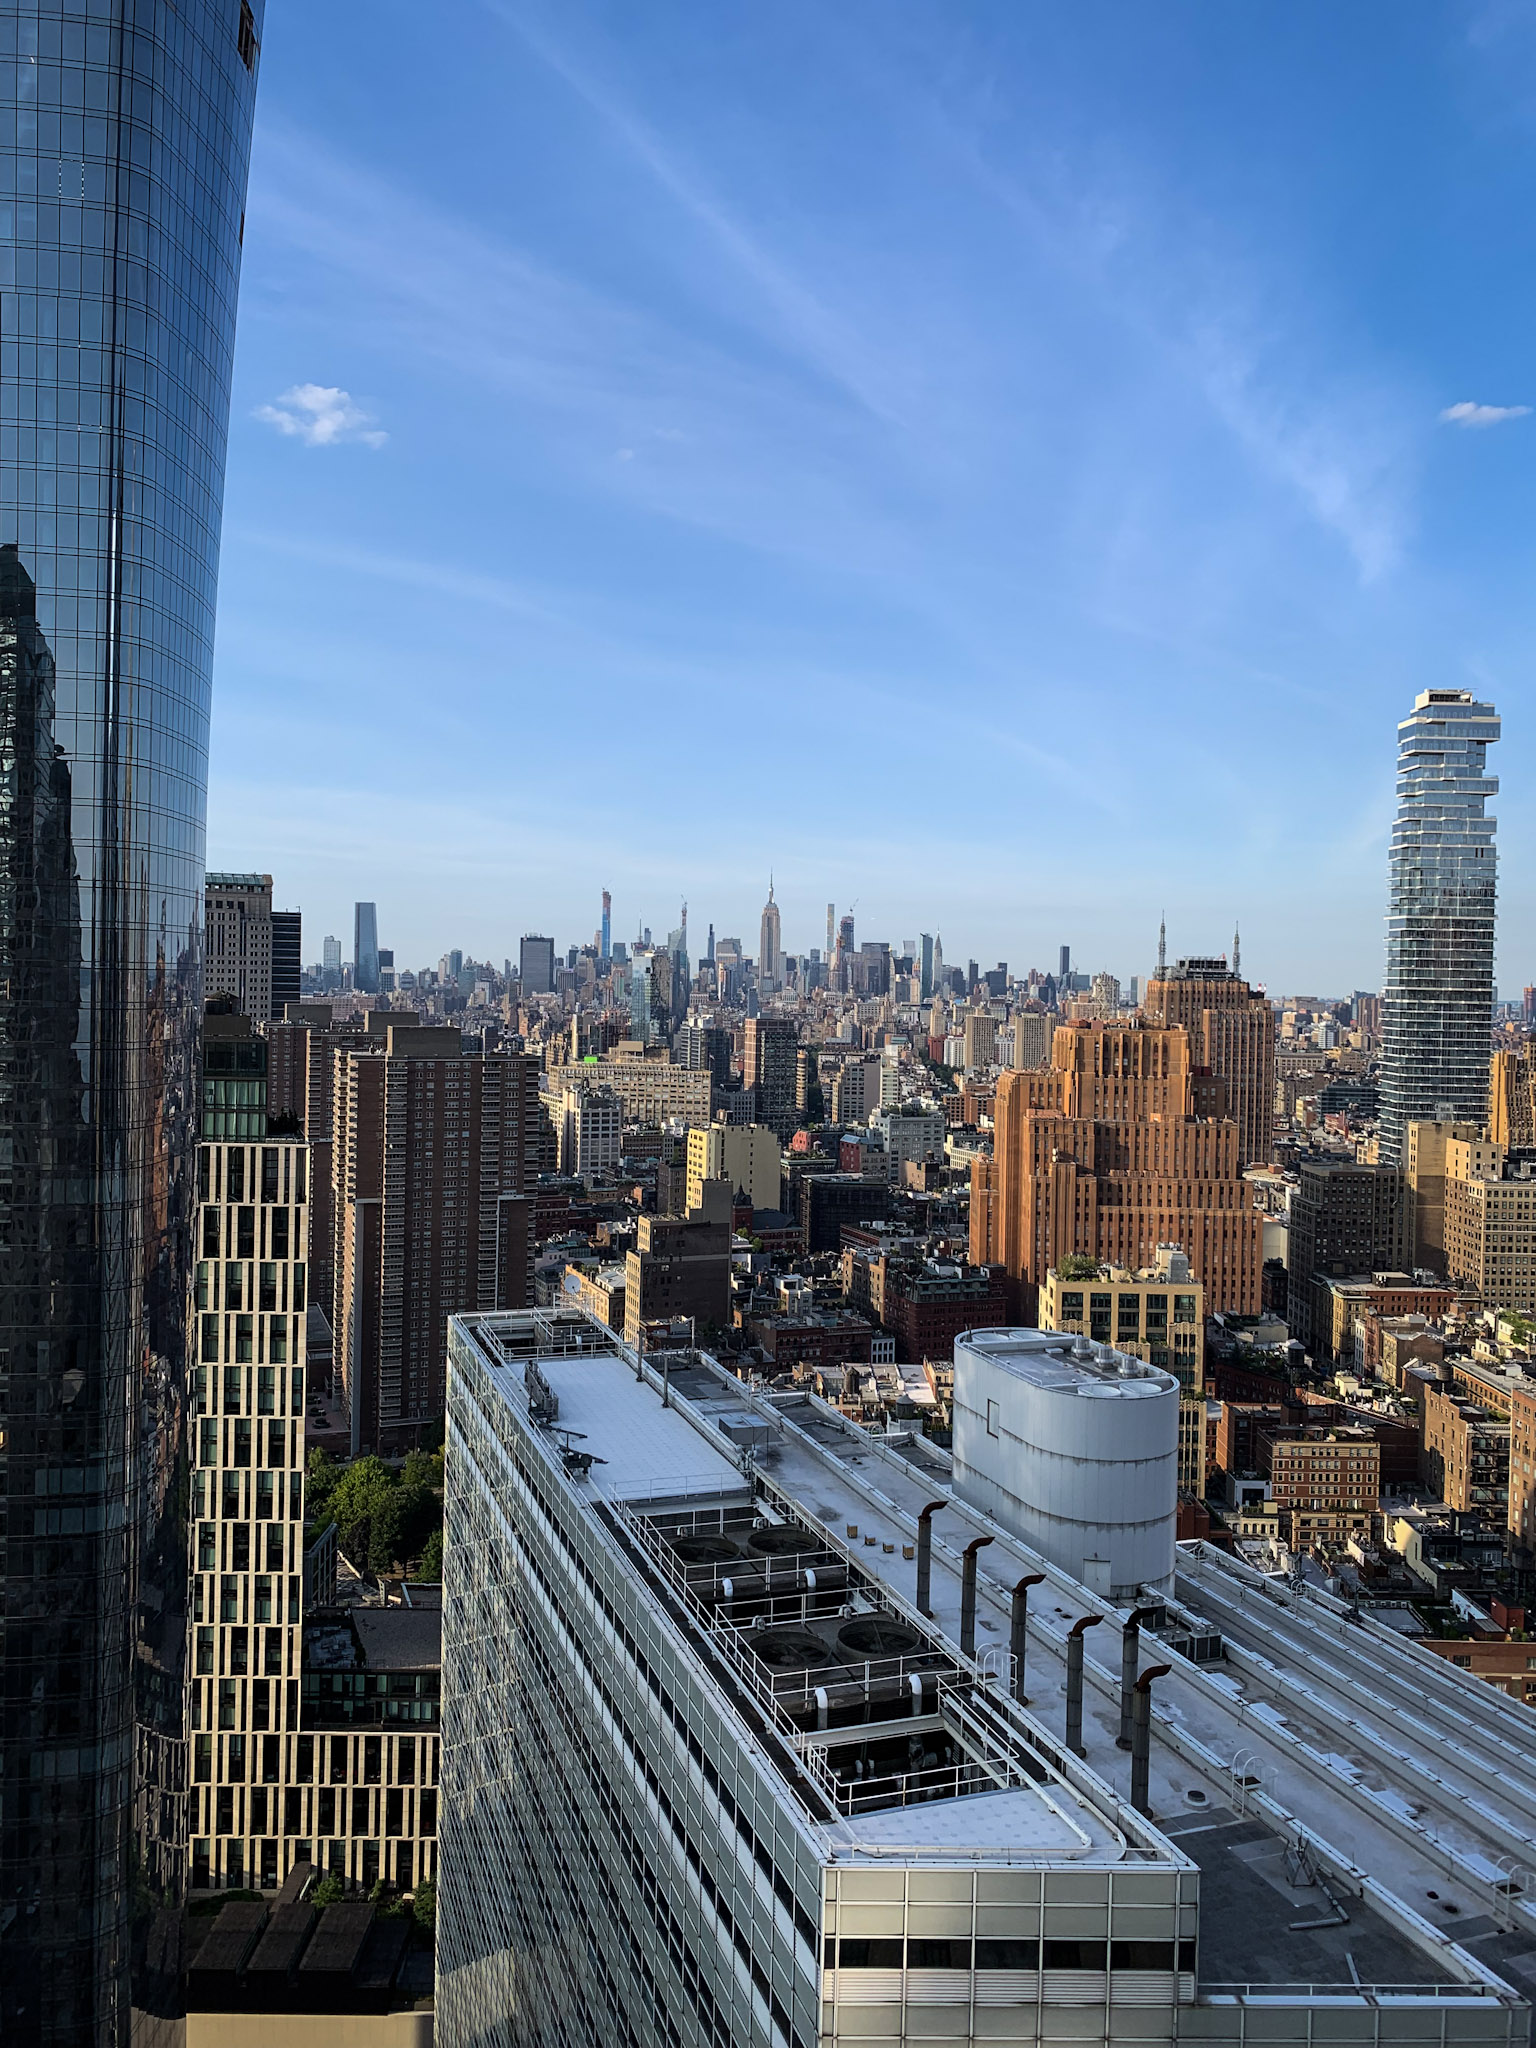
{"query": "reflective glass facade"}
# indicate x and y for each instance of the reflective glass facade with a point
(1437, 1002)
(124, 138)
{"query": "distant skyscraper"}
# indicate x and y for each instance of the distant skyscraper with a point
(770, 957)
(237, 942)
(1065, 967)
(1437, 1000)
(536, 965)
(606, 945)
(330, 962)
(709, 954)
(925, 965)
(126, 134)
(287, 958)
(365, 947)
(831, 931)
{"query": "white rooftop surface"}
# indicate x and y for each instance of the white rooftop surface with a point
(650, 1451)
(1053, 1364)
(1021, 1821)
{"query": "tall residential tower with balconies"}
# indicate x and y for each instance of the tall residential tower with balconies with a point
(1437, 1001)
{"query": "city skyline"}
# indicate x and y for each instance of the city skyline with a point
(995, 405)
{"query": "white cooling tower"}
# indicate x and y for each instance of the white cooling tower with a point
(1075, 1449)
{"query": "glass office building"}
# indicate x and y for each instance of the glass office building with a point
(1437, 1004)
(124, 137)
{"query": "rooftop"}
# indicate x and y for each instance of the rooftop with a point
(1332, 1782)
(1059, 1364)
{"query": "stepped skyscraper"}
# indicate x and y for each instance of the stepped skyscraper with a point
(124, 140)
(1437, 1001)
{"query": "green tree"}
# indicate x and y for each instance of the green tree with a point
(330, 1891)
(432, 1556)
(424, 1906)
(362, 1494)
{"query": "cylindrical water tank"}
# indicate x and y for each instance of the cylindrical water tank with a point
(1075, 1449)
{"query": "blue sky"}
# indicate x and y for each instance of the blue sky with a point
(982, 461)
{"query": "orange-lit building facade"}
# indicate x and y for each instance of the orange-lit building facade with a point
(1115, 1148)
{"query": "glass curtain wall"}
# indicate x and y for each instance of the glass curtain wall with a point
(1437, 1002)
(124, 137)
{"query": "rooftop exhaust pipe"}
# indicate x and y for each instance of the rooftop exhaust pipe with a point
(1130, 1657)
(1075, 1681)
(925, 1555)
(968, 1596)
(1141, 1738)
(1018, 1631)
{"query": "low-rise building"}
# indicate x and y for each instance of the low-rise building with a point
(1325, 1481)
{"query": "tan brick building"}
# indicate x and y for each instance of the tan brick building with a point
(1232, 1031)
(1466, 1453)
(1116, 1148)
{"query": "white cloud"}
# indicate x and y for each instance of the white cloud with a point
(1466, 414)
(320, 415)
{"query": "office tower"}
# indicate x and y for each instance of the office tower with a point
(704, 1048)
(605, 948)
(536, 965)
(1346, 1218)
(386, 970)
(330, 962)
(1032, 1038)
(856, 1089)
(1115, 1148)
(1232, 1031)
(1437, 999)
(770, 956)
(709, 950)
(744, 1156)
(237, 942)
(125, 145)
(591, 1131)
(1064, 967)
(768, 1067)
(427, 1174)
(831, 932)
(737, 1841)
(979, 1038)
(287, 959)
(365, 948)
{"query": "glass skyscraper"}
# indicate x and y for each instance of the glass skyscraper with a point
(124, 138)
(1437, 1004)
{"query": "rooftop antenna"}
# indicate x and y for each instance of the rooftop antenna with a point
(1162, 947)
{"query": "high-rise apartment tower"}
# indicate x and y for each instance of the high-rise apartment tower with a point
(124, 137)
(1437, 1000)
(237, 941)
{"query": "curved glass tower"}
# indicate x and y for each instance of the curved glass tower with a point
(124, 137)
(1437, 1004)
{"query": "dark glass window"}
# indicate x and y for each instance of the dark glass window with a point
(1074, 1955)
(1007, 1955)
(1141, 1955)
(869, 1952)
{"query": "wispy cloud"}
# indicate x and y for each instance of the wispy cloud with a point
(321, 416)
(1469, 414)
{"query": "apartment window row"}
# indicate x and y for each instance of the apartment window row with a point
(250, 1173)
